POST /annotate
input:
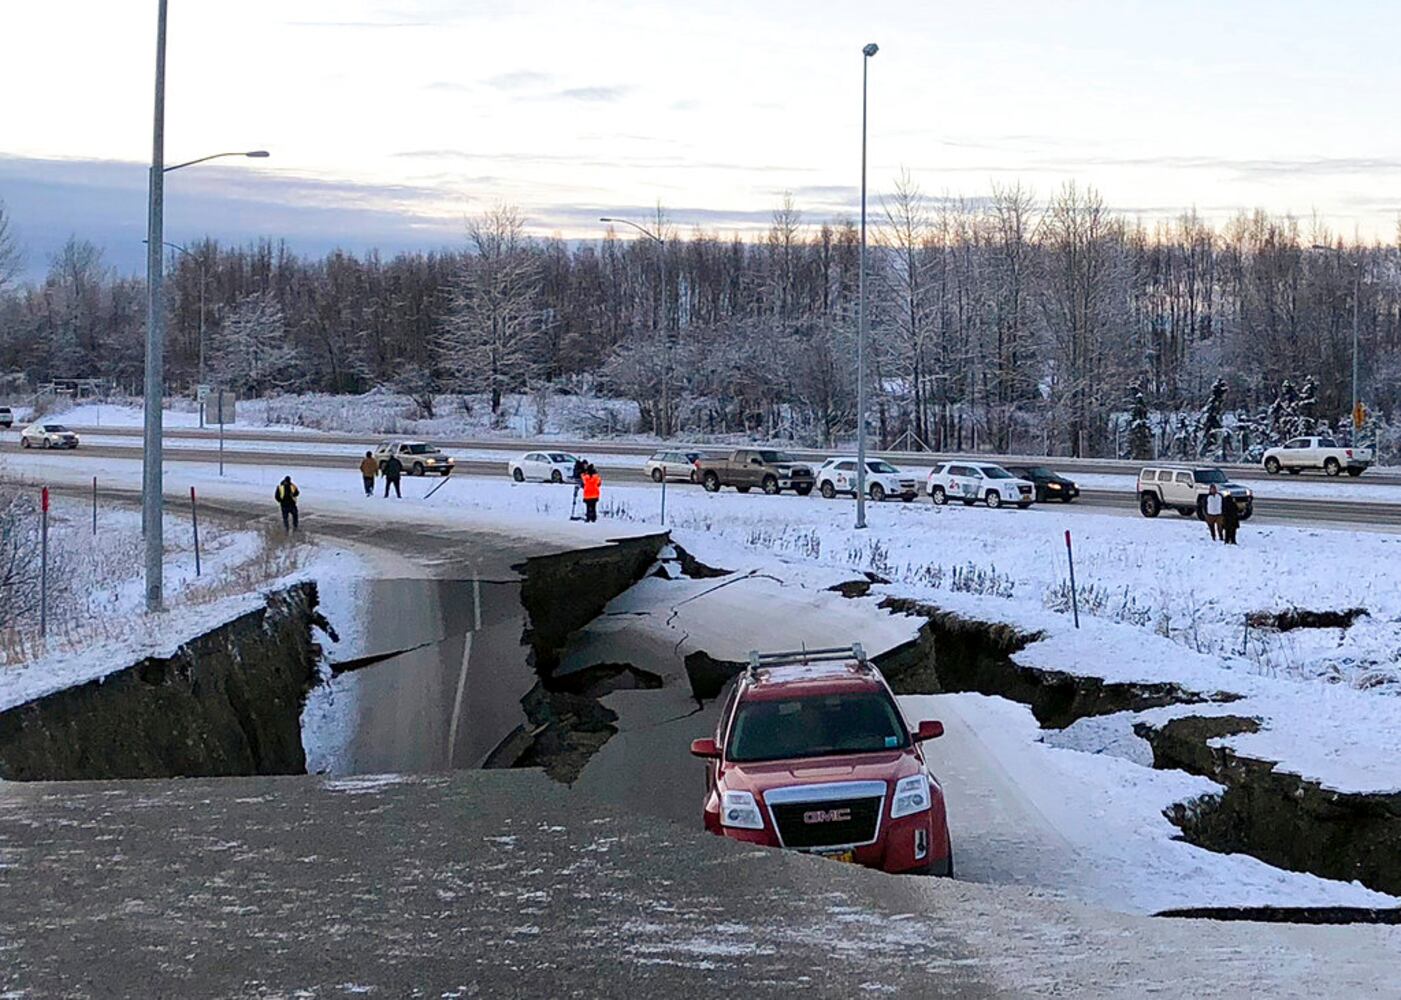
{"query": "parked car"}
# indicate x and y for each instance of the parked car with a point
(417, 457)
(838, 475)
(683, 465)
(812, 753)
(1050, 485)
(543, 466)
(1184, 489)
(771, 470)
(1298, 454)
(970, 482)
(47, 436)
(7, 417)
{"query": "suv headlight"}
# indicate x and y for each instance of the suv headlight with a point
(911, 796)
(738, 809)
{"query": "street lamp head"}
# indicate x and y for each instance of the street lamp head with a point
(1320, 246)
(258, 154)
(870, 50)
(604, 218)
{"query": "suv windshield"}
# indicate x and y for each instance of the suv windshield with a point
(421, 449)
(780, 729)
(1209, 476)
(883, 467)
(775, 457)
(993, 472)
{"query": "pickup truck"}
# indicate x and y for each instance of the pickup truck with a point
(771, 470)
(1298, 454)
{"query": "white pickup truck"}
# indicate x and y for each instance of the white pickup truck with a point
(1300, 453)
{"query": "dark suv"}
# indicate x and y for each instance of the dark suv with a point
(1050, 485)
(812, 753)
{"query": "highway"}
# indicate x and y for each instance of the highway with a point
(341, 451)
(512, 446)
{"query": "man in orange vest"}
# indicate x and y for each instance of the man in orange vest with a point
(593, 486)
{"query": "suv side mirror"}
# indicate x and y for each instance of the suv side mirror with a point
(929, 729)
(705, 749)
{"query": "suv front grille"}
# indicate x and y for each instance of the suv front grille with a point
(832, 823)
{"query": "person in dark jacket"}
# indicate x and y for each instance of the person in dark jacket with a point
(393, 469)
(369, 468)
(286, 496)
(1230, 519)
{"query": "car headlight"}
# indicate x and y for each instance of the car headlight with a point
(911, 796)
(1053, 486)
(739, 810)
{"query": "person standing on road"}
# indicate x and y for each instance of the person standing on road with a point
(593, 487)
(1213, 512)
(1230, 519)
(286, 496)
(392, 470)
(369, 468)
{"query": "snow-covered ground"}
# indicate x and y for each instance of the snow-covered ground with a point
(97, 620)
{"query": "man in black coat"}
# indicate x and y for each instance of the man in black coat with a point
(1230, 519)
(393, 469)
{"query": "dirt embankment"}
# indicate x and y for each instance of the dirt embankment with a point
(225, 703)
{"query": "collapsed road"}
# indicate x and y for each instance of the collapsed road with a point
(503, 883)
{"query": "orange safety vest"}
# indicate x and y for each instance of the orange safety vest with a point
(593, 485)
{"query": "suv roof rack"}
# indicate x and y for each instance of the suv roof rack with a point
(802, 656)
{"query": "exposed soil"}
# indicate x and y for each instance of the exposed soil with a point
(1292, 618)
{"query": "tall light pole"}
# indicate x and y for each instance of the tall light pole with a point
(666, 341)
(866, 54)
(1356, 307)
(151, 479)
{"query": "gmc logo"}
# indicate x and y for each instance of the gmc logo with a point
(827, 816)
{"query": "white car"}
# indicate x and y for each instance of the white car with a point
(838, 475)
(971, 482)
(47, 436)
(1324, 453)
(683, 465)
(543, 466)
(417, 457)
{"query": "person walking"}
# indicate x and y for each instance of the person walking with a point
(369, 468)
(1230, 519)
(392, 470)
(593, 487)
(286, 496)
(1213, 511)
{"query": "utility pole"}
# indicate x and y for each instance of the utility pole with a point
(866, 54)
(151, 484)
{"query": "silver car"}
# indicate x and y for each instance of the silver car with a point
(675, 465)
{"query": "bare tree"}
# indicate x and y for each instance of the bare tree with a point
(904, 278)
(494, 317)
(11, 260)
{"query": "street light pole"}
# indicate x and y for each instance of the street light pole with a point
(866, 54)
(666, 340)
(151, 485)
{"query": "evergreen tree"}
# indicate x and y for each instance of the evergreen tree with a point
(1140, 445)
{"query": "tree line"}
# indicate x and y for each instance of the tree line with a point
(1005, 321)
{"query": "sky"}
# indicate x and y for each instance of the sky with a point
(390, 122)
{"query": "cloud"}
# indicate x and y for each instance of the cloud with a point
(599, 94)
(518, 80)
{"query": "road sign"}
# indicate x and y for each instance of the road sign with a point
(202, 392)
(1359, 415)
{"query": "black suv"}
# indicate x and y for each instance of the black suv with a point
(1049, 485)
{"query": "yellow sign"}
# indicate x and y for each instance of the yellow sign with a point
(1359, 415)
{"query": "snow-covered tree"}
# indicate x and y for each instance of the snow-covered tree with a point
(1140, 443)
(10, 258)
(1209, 422)
(252, 354)
(486, 344)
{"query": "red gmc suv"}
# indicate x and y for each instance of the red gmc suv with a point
(812, 753)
